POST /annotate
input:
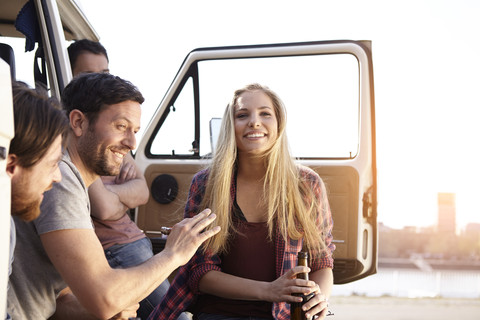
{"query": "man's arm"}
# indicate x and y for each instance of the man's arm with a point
(130, 184)
(79, 258)
(69, 308)
(104, 204)
(110, 197)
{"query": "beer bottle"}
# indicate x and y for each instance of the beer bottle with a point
(296, 312)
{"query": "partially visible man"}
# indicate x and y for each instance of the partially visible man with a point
(111, 197)
(87, 56)
(34, 154)
(104, 115)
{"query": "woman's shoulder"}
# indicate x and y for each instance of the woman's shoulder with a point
(307, 173)
(201, 175)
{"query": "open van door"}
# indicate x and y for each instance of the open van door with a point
(6, 134)
(327, 87)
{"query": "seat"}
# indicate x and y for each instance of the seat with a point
(7, 54)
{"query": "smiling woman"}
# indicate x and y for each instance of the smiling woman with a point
(269, 208)
(255, 123)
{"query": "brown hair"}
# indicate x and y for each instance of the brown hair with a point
(39, 120)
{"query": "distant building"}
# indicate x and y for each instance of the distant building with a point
(446, 213)
(410, 229)
(473, 230)
(383, 228)
(473, 227)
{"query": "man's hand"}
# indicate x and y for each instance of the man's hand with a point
(127, 173)
(128, 313)
(188, 235)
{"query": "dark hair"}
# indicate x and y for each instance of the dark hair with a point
(77, 47)
(38, 120)
(89, 92)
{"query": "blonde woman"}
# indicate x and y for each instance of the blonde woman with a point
(269, 208)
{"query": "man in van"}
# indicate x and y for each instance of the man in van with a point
(104, 115)
(34, 154)
(87, 56)
(111, 197)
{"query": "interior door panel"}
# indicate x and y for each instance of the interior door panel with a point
(154, 215)
(342, 188)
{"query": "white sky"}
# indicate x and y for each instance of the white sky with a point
(426, 66)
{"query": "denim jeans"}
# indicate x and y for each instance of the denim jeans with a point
(130, 255)
(207, 316)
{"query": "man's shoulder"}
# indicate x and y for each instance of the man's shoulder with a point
(69, 171)
(66, 205)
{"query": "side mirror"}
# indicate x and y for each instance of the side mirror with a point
(215, 124)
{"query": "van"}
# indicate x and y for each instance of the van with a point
(327, 87)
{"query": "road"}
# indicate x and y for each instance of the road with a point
(389, 308)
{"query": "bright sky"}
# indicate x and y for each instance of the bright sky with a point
(426, 57)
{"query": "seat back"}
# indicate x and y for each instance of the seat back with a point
(7, 54)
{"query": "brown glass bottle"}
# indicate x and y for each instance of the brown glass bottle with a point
(296, 312)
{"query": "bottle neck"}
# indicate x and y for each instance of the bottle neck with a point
(303, 261)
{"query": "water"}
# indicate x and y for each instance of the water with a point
(414, 283)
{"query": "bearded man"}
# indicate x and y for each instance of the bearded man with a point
(34, 153)
(67, 271)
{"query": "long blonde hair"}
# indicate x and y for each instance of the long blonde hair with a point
(293, 209)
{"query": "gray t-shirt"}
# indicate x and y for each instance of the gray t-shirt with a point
(34, 282)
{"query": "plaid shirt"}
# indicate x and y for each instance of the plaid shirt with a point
(184, 288)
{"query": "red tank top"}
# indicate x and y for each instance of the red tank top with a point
(251, 255)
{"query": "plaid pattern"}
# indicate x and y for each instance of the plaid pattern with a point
(184, 288)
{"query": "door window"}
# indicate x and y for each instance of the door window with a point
(320, 92)
(176, 136)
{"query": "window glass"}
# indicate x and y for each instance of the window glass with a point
(320, 93)
(177, 133)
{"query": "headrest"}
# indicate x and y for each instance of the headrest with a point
(7, 54)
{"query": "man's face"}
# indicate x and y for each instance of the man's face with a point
(88, 62)
(29, 184)
(107, 141)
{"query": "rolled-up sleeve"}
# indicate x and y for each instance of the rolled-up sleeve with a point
(201, 262)
(324, 222)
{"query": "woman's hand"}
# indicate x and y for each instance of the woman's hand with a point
(317, 306)
(282, 288)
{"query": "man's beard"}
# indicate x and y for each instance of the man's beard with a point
(95, 156)
(98, 163)
(27, 211)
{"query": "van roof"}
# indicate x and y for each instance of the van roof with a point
(75, 24)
